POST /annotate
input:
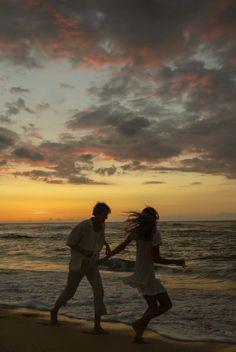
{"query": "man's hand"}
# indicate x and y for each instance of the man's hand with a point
(108, 249)
(180, 262)
(88, 253)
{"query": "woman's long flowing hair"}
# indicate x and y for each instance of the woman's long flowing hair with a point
(142, 224)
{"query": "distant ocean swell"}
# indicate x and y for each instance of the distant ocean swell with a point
(15, 236)
(34, 260)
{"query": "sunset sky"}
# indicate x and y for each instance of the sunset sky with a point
(125, 101)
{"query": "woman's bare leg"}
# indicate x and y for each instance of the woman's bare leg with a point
(152, 311)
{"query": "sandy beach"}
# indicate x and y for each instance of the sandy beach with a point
(28, 330)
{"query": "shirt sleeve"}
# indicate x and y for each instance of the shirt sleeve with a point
(75, 236)
(156, 240)
(103, 233)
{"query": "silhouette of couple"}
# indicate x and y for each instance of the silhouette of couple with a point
(86, 241)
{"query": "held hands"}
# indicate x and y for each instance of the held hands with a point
(107, 252)
(108, 249)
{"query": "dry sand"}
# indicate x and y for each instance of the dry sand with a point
(28, 330)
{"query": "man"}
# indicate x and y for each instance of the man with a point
(86, 241)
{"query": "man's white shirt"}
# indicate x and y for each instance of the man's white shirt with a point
(86, 238)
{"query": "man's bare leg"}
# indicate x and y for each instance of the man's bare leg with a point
(73, 280)
(98, 329)
(95, 281)
(53, 317)
(53, 313)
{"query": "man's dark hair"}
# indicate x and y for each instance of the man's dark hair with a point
(100, 208)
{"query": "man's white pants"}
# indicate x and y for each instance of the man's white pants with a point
(95, 281)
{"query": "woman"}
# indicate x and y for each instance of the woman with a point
(142, 228)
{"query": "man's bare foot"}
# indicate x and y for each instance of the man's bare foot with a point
(139, 340)
(53, 316)
(99, 330)
(139, 332)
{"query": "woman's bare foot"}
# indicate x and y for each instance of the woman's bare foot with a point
(139, 341)
(53, 317)
(99, 330)
(137, 326)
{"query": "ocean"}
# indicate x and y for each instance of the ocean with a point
(34, 263)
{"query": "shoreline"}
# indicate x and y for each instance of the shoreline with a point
(62, 316)
(28, 329)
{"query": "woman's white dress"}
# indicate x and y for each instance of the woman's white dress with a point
(144, 275)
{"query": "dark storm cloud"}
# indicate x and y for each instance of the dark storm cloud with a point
(34, 174)
(8, 138)
(212, 139)
(66, 85)
(6, 120)
(106, 171)
(219, 34)
(40, 175)
(171, 92)
(205, 125)
(94, 33)
(210, 165)
(85, 158)
(19, 90)
(59, 176)
(62, 163)
(109, 119)
(135, 166)
(31, 130)
(121, 82)
(198, 83)
(83, 180)
(123, 135)
(148, 147)
(153, 183)
(26, 153)
(133, 126)
(45, 176)
(16, 107)
(42, 107)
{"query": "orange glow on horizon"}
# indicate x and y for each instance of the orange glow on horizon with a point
(27, 200)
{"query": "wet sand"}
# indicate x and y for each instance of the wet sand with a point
(28, 330)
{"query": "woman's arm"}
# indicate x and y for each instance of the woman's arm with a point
(116, 250)
(158, 259)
